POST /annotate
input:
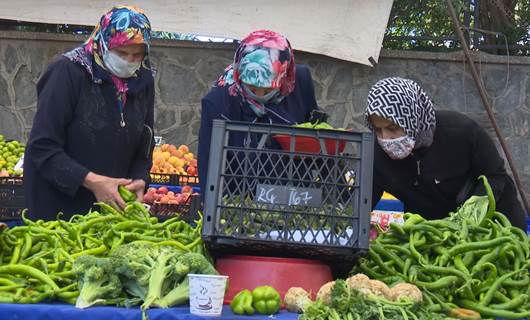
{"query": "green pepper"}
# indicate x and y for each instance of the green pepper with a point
(242, 303)
(266, 300)
(126, 194)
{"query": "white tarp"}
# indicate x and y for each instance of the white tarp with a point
(350, 30)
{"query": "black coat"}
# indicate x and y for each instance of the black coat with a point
(432, 181)
(76, 130)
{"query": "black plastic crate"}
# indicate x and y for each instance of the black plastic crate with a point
(187, 212)
(173, 179)
(261, 199)
(11, 198)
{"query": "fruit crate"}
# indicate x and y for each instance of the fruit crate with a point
(262, 199)
(173, 179)
(187, 212)
(11, 198)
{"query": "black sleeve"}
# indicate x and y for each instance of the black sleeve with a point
(377, 191)
(143, 161)
(486, 160)
(306, 82)
(205, 136)
(57, 95)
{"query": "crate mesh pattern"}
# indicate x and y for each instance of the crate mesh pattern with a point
(263, 199)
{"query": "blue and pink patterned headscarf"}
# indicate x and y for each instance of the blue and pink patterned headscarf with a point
(264, 59)
(120, 26)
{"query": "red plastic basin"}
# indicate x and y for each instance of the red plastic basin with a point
(310, 144)
(248, 272)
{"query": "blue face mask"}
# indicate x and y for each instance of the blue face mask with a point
(261, 99)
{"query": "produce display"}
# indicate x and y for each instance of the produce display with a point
(162, 195)
(359, 297)
(168, 159)
(10, 153)
(472, 265)
(475, 259)
(106, 257)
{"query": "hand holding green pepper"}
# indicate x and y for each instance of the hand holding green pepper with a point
(126, 194)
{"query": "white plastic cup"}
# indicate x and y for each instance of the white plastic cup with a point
(207, 293)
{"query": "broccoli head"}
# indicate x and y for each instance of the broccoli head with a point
(157, 274)
(134, 262)
(194, 263)
(97, 281)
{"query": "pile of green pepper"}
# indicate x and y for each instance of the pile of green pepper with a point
(36, 258)
(480, 266)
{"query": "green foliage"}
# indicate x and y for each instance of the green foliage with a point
(430, 19)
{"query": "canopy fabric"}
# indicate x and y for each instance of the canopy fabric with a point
(350, 30)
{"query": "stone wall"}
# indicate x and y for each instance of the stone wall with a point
(187, 69)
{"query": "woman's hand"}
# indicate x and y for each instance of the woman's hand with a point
(105, 188)
(137, 186)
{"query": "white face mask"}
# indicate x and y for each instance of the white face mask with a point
(119, 66)
(398, 148)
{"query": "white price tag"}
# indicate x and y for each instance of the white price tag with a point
(20, 164)
(158, 140)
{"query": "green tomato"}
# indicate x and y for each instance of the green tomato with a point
(1, 137)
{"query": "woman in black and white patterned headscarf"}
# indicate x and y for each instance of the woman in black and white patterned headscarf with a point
(401, 104)
(429, 159)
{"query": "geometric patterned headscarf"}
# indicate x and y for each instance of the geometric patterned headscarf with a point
(403, 102)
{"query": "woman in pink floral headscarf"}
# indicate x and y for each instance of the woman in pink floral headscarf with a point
(263, 84)
(93, 126)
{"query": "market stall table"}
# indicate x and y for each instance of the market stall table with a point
(44, 311)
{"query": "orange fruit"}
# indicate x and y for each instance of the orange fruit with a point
(172, 149)
(173, 160)
(180, 163)
(184, 148)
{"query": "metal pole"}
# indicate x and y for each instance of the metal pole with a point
(486, 102)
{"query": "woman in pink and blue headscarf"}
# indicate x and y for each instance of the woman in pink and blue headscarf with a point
(263, 84)
(94, 122)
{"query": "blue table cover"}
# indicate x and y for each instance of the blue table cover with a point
(44, 311)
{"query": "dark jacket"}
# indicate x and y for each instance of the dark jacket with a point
(76, 130)
(219, 104)
(431, 181)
